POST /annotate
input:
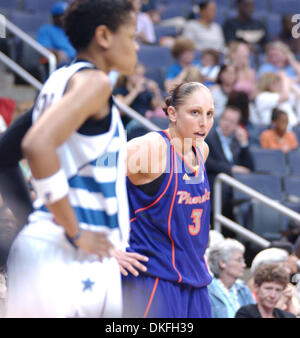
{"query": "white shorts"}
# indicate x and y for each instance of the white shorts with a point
(47, 277)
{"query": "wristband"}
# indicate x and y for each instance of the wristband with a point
(52, 188)
(74, 238)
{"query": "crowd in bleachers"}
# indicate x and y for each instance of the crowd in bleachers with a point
(245, 53)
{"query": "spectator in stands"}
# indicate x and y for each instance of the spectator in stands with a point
(278, 137)
(54, 37)
(225, 84)
(280, 58)
(139, 93)
(227, 291)
(270, 281)
(286, 33)
(289, 299)
(145, 32)
(275, 90)
(210, 67)
(240, 100)
(229, 153)
(245, 27)
(205, 32)
(239, 55)
(183, 51)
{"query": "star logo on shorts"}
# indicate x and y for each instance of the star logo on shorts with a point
(87, 285)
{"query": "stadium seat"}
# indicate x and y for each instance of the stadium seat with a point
(273, 24)
(161, 31)
(254, 132)
(262, 5)
(269, 185)
(269, 161)
(161, 122)
(29, 22)
(292, 185)
(38, 6)
(296, 130)
(174, 10)
(155, 56)
(156, 74)
(293, 159)
(284, 7)
(9, 4)
(255, 215)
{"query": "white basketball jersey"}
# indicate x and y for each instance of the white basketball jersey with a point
(95, 166)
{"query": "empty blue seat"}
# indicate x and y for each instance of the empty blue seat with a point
(269, 185)
(285, 7)
(254, 132)
(292, 185)
(38, 6)
(29, 22)
(260, 218)
(161, 31)
(269, 161)
(9, 4)
(273, 24)
(174, 10)
(156, 74)
(293, 159)
(155, 56)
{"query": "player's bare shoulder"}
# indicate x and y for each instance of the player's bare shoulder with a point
(146, 158)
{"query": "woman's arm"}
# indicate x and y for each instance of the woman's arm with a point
(52, 129)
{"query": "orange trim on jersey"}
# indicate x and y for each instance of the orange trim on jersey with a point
(166, 188)
(132, 219)
(151, 297)
(169, 224)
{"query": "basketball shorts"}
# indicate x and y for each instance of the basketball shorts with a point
(151, 297)
(48, 277)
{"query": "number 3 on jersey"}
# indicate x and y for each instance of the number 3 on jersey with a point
(196, 216)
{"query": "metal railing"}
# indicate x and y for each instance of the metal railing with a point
(219, 219)
(35, 45)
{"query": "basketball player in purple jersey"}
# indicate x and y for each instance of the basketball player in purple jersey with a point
(169, 199)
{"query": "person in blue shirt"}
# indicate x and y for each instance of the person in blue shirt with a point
(227, 292)
(183, 52)
(53, 36)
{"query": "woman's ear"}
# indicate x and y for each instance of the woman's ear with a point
(103, 36)
(222, 265)
(172, 114)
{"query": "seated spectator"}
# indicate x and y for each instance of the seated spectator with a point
(54, 37)
(145, 32)
(270, 281)
(229, 153)
(140, 94)
(245, 27)
(205, 32)
(239, 55)
(210, 67)
(183, 51)
(278, 137)
(286, 35)
(275, 90)
(289, 299)
(240, 100)
(225, 84)
(279, 58)
(227, 292)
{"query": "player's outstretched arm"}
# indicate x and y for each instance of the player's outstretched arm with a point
(86, 96)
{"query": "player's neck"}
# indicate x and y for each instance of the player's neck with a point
(92, 57)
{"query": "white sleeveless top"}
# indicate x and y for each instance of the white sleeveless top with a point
(95, 166)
